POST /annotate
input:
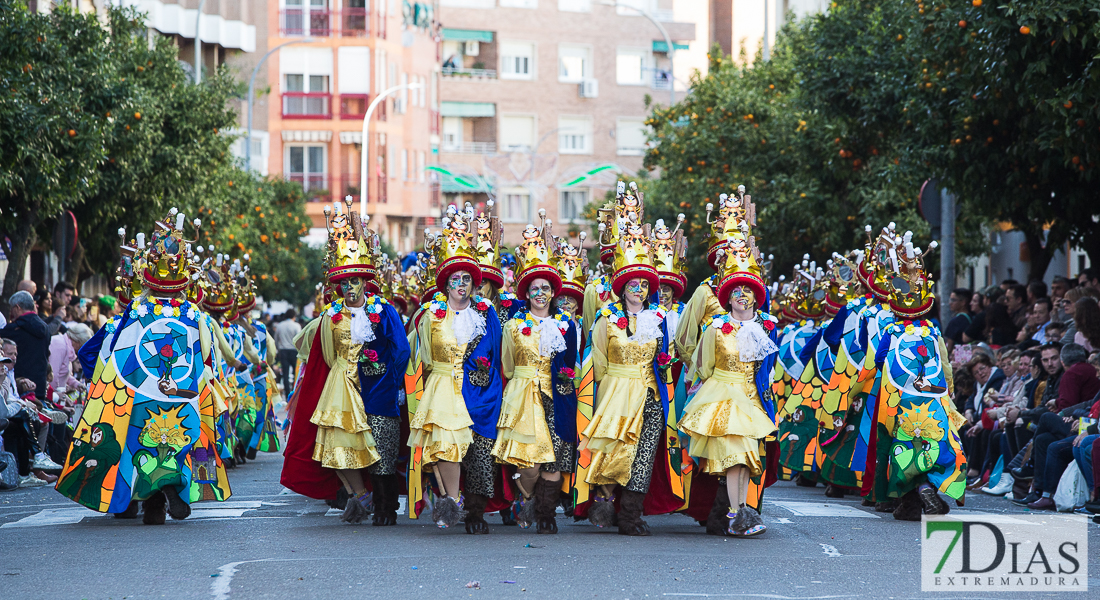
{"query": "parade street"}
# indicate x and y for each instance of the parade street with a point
(268, 543)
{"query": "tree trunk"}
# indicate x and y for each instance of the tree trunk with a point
(1090, 243)
(1040, 255)
(76, 265)
(22, 240)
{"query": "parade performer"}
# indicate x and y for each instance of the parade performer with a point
(732, 412)
(916, 447)
(599, 291)
(455, 409)
(147, 432)
(623, 446)
(264, 436)
(487, 232)
(537, 429)
(331, 441)
(572, 263)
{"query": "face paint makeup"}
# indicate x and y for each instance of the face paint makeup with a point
(351, 289)
(539, 293)
(742, 298)
(459, 284)
(664, 293)
(637, 290)
(566, 304)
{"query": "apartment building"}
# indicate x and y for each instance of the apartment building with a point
(543, 101)
(319, 95)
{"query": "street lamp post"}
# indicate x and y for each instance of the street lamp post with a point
(767, 50)
(251, 94)
(198, 44)
(668, 41)
(365, 154)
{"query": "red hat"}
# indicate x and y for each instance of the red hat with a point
(739, 278)
(532, 273)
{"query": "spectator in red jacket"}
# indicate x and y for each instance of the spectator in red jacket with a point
(1079, 382)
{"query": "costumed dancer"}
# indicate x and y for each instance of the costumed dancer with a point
(488, 231)
(454, 384)
(147, 432)
(916, 447)
(537, 430)
(732, 412)
(623, 449)
(264, 436)
(599, 292)
(331, 440)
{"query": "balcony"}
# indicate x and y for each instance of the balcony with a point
(315, 185)
(470, 73)
(662, 80)
(380, 26)
(349, 186)
(353, 106)
(305, 22)
(307, 105)
(354, 22)
(470, 147)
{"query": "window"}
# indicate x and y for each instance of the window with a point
(516, 207)
(517, 132)
(631, 65)
(402, 103)
(575, 5)
(630, 136)
(519, 3)
(575, 135)
(353, 63)
(573, 202)
(420, 166)
(575, 63)
(404, 165)
(452, 132)
(623, 7)
(305, 77)
(306, 165)
(517, 60)
(380, 70)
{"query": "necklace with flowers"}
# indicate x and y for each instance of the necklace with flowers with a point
(603, 287)
(614, 312)
(725, 322)
(529, 321)
(166, 308)
(507, 298)
(438, 305)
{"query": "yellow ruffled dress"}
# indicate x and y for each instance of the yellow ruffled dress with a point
(344, 439)
(725, 419)
(523, 436)
(623, 371)
(441, 424)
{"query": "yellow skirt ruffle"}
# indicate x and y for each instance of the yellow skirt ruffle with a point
(344, 439)
(613, 433)
(441, 425)
(725, 427)
(523, 438)
(220, 396)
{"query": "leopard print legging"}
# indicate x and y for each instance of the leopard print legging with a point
(641, 472)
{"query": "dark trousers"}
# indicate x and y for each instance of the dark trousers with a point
(1059, 455)
(1017, 437)
(18, 441)
(287, 360)
(975, 447)
(993, 450)
(1051, 429)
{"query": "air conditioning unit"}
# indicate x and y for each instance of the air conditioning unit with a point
(589, 88)
(472, 48)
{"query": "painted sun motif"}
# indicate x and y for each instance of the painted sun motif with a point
(165, 428)
(918, 423)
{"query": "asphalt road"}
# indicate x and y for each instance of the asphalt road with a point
(266, 542)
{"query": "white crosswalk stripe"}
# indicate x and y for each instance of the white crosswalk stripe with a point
(76, 514)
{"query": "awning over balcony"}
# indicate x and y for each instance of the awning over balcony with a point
(468, 109)
(467, 35)
(459, 180)
(662, 46)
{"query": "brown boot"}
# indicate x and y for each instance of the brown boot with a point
(630, 514)
(909, 507)
(154, 509)
(717, 521)
(475, 514)
(546, 505)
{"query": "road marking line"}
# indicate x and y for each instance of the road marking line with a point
(814, 509)
(53, 516)
(830, 550)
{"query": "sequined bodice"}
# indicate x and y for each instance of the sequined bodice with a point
(527, 353)
(623, 352)
(344, 348)
(445, 348)
(727, 356)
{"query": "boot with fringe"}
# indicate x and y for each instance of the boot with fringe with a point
(546, 505)
(602, 511)
(447, 511)
(909, 507)
(630, 514)
(747, 523)
(523, 512)
(359, 508)
(179, 509)
(475, 514)
(131, 511)
(154, 509)
(718, 521)
(931, 502)
(886, 506)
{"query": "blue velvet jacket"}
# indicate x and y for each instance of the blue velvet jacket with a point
(565, 404)
(483, 402)
(381, 390)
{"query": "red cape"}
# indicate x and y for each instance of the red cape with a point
(301, 473)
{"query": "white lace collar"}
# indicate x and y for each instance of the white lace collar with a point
(468, 324)
(361, 330)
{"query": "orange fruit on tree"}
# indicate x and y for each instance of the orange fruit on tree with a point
(1025, 30)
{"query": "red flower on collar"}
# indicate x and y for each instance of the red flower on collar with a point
(374, 318)
(768, 325)
(727, 328)
(506, 303)
(622, 322)
(174, 302)
(483, 305)
(525, 331)
(337, 317)
(440, 313)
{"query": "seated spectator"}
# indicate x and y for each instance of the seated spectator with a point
(63, 349)
(1000, 330)
(989, 379)
(1035, 290)
(1017, 304)
(1065, 309)
(976, 331)
(959, 303)
(1058, 287)
(29, 333)
(1089, 278)
(1079, 382)
(1087, 319)
(1055, 330)
(23, 424)
(43, 303)
(1039, 318)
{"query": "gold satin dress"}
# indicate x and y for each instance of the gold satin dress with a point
(623, 371)
(523, 436)
(441, 425)
(699, 309)
(725, 418)
(344, 439)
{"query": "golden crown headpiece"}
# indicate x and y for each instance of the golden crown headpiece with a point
(216, 281)
(533, 257)
(669, 252)
(351, 247)
(488, 231)
(614, 218)
(572, 264)
(454, 247)
(740, 259)
(734, 210)
(128, 271)
(880, 258)
(911, 295)
(244, 285)
(633, 255)
(167, 257)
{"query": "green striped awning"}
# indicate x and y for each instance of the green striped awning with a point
(468, 109)
(452, 182)
(662, 46)
(467, 35)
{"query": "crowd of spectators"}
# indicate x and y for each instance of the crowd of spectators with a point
(1027, 379)
(42, 384)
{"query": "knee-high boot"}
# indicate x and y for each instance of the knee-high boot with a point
(630, 514)
(475, 514)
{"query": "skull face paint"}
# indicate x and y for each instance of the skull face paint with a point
(487, 289)
(567, 305)
(664, 293)
(459, 285)
(540, 294)
(351, 288)
(636, 290)
(742, 298)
